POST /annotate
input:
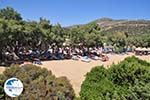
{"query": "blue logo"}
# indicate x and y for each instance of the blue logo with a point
(13, 87)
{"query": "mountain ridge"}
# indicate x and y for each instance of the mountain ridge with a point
(138, 26)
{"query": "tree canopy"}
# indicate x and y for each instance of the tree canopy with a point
(37, 33)
(9, 13)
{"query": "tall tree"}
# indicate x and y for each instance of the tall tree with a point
(10, 14)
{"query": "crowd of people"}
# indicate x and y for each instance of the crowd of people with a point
(55, 53)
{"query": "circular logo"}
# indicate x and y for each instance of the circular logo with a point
(13, 87)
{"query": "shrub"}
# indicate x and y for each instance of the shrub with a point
(127, 80)
(39, 84)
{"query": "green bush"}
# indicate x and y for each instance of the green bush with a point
(1, 92)
(128, 80)
(39, 84)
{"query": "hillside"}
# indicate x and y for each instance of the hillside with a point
(115, 32)
(129, 26)
(139, 26)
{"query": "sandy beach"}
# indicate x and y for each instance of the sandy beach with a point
(2, 69)
(75, 71)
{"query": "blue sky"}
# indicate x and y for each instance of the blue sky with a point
(69, 12)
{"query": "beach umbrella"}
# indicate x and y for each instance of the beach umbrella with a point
(148, 49)
(64, 44)
(138, 49)
(144, 49)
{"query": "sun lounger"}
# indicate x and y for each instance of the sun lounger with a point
(37, 61)
(95, 58)
(75, 58)
(85, 59)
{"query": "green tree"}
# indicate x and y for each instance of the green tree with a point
(9, 13)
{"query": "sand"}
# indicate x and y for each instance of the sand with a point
(75, 71)
(2, 69)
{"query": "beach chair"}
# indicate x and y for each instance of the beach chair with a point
(37, 61)
(75, 57)
(95, 58)
(85, 59)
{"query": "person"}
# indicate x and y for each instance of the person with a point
(15, 57)
(105, 58)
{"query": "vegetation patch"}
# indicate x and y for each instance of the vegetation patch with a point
(39, 84)
(127, 80)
